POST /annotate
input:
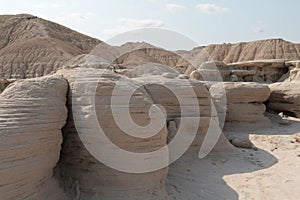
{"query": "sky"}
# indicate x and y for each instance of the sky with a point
(203, 21)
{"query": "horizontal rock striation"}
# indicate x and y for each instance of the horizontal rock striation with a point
(84, 176)
(33, 47)
(244, 103)
(32, 113)
(262, 71)
(285, 97)
(256, 50)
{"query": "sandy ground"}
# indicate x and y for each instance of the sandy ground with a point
(270, 172)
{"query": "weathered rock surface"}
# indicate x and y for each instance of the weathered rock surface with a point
(33, 47)
(32, 113)
(84, 176)
(268, 56)
(285, 97)
(244, 103)
(294, 71)
(262, 71)
(256, 50)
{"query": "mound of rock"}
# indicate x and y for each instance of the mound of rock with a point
(256, 50)
(244, 103)
(285, 97)
(33, 47)
(85, 176)
(262, 71)
(32, 113)
(294, 67)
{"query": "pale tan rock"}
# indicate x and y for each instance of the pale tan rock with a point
(244, 104)
(79, 169)
(285, 97)
(163, 92)
(256, 50)
(33, 47)
(268, 71)
(294, 73)
(32, 113)
(183, 76)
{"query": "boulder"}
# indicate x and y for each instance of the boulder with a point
(86, 176)
(294, 67)
(285, 97)
(244, 103)
(32, 113)
(268, 71)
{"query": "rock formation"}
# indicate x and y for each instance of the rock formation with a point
(86, 177)
(294, 70)
(257, 50)
(244, 103)
(261, 71)
(33, 47)
(83, 175)
(32, 113)
(285, 98)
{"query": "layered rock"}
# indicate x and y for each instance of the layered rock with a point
(262, 71)
(84, 175)
(33, 47)
(187, 104)
(294, 73)
(32, 113)
(256, 50)
(285, 97)
(244, 103)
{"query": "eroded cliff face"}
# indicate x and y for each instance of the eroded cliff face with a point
(33, 47)
(285, 98)
(85, 177)
(32, 113)
(256, 50)
(32, 138)
(245, 104)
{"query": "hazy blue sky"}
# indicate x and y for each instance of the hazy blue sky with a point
(204, 21)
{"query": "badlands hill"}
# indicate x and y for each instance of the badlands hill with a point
(32, 47)
(257, 50)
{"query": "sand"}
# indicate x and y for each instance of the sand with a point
(269, 172)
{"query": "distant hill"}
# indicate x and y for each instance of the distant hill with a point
(228, 53)
(30, 46)
(257, 50)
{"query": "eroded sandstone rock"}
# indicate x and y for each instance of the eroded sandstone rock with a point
(244, 103)
(285, 97)
(32, 113)
(85, 177)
